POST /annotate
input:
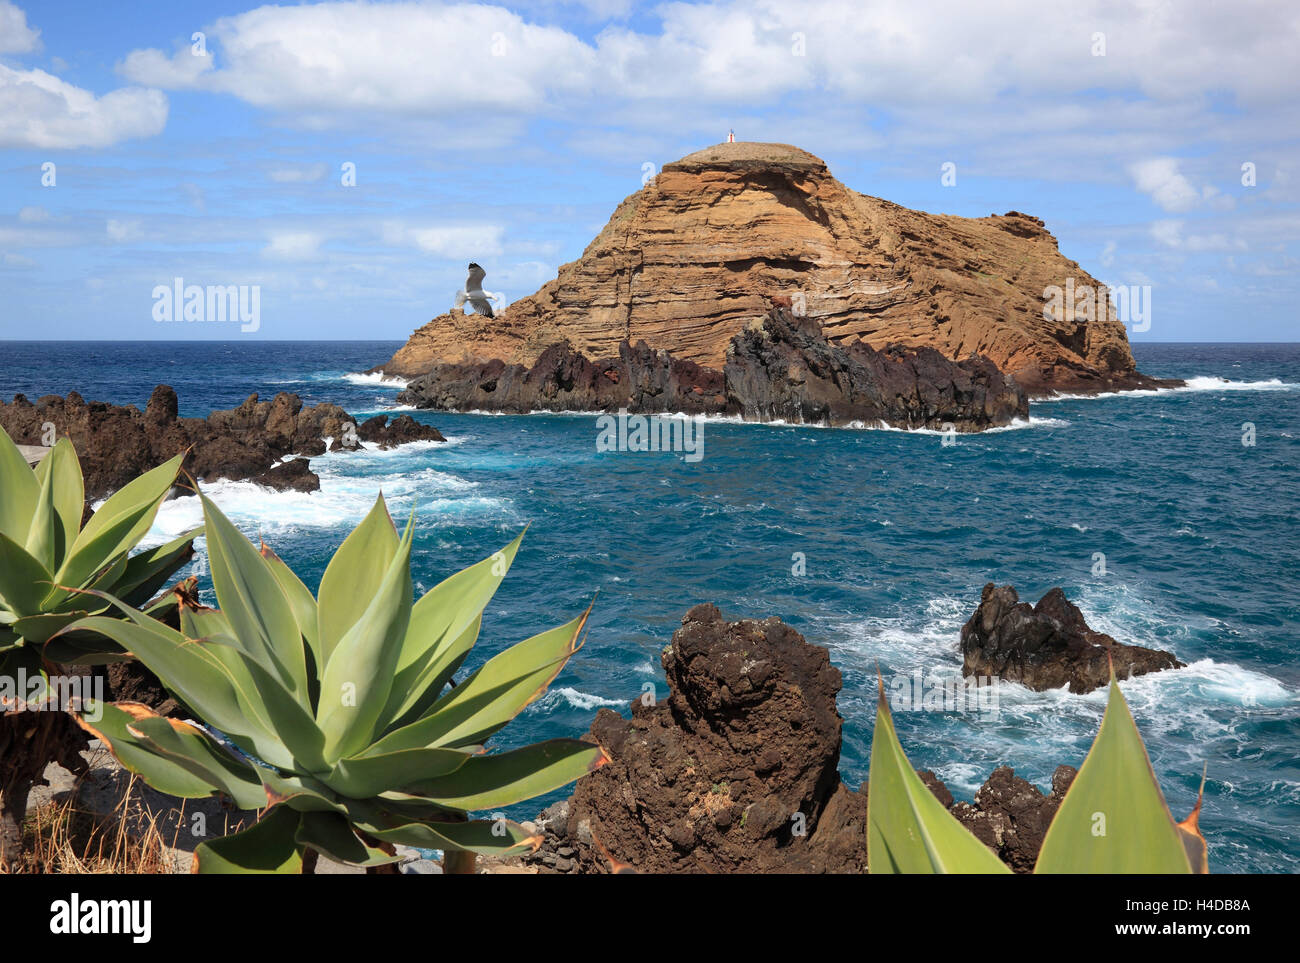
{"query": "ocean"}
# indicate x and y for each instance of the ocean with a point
(874, 543)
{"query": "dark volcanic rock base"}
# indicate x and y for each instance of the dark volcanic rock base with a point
(116, 443)
(1047, 645)
(783, 368)
(737, 771)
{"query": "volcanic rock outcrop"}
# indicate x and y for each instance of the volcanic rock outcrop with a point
(693, 257)
(1047, 645)
(779, 368)
(738, 770)
(116, 443)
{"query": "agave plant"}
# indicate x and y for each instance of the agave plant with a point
(48, 561)
(1113, 818)
(337, 715)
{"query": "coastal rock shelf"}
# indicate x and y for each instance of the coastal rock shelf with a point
(690, 260)
(782, 367)
(116, 443)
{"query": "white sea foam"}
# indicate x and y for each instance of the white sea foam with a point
(575, 699)
(1016, 424)
(374, 378)
(1199, 383)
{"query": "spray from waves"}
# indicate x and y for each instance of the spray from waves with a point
(374, 378)
(1016, 424)
(1200, 383)
(569, 697)
(342, 501)
(1187, 716)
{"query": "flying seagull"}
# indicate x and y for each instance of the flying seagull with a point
(473, 292)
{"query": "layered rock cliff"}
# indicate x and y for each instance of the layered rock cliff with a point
(703, 249)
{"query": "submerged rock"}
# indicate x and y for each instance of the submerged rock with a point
(782, 367)
(1047, 645)
(402, 430)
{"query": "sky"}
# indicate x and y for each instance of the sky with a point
(347, 159)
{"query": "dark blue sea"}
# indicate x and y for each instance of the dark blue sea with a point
(1200, 536)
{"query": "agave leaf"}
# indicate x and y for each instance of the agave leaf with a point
(119, 524)
(268, 846)
(277, 710)
(908, 829)
(353, 577)
(505, 685)
(38, 629)
(368, 775)
(194, 750)
(24, 581)
(147, 571)
(20, 488)
(413, 694)
(487, 838)
(492, 782)
(250, 597)
(441, 621)
(1114, 818)
(68, 490)
(161, 772)
(303, 604)
(1189, 830)
(181, 664)
(332, 835)
(359, 673)
(45, 537)
(493, 695)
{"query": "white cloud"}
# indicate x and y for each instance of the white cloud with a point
(305, 174)
(153, 68)
(1170, 234)
(1160, 178)
(294, 245)
(15, 35)
(16, 261)
(121, 231)
(33, 214)
(460, 241)
(432, 59)
(38, 110)
(403, 58)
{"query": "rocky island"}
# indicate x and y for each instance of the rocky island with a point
(718, 239)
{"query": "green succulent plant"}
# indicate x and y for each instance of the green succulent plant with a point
(49, 566)
(338, 714)
(48, 560)
(1113, 818)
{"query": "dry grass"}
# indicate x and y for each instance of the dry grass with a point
(59, 837)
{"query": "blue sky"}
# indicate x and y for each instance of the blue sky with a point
(508, 134)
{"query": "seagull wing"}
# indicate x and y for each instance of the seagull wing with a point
(481, 305)
(475, 280)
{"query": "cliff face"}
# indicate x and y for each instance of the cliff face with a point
(686, 262)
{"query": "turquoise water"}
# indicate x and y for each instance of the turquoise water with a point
(898, 532)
